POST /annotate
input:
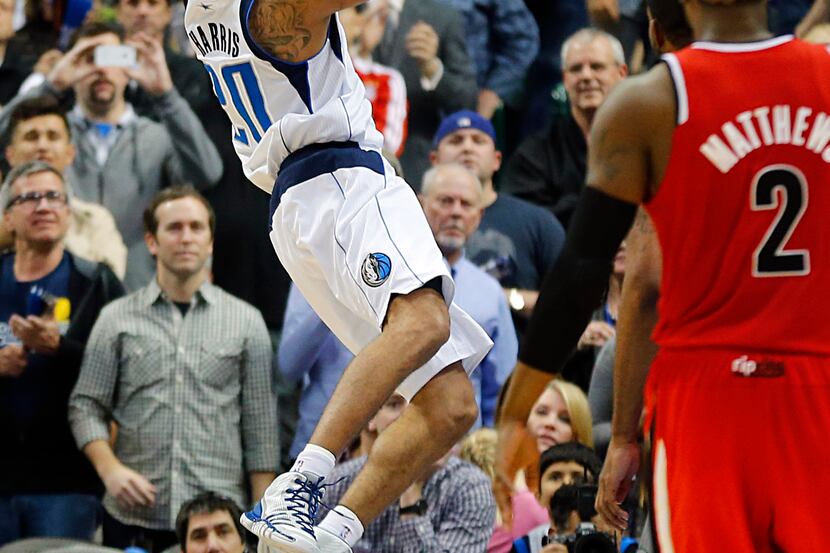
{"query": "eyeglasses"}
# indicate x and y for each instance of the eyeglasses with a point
(32, 199)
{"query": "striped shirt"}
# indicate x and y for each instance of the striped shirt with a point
(191, 396)
(460, 516)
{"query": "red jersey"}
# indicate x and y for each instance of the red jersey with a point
(741, 211)
(386, 90)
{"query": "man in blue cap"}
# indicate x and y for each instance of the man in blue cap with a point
(516, 241)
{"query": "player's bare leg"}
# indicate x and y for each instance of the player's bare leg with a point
(436, 418)
(417, 325)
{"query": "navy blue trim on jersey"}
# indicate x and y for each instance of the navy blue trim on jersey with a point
(318, 159)
(334, 38)
(296, 73)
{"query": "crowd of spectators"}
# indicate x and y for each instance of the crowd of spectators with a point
(148, 333)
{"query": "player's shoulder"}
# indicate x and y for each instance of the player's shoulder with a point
(649, 90)
(638, 105)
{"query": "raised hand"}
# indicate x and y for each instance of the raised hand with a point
(77, 64)
(422, 44)
(151, 73)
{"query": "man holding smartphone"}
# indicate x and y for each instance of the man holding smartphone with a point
(49, 300)
(123, 158)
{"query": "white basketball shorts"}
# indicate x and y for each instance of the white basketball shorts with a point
(350, 234)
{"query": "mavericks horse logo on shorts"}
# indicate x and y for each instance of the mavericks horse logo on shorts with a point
(376, 269)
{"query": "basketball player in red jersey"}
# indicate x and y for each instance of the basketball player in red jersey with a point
(726, 144)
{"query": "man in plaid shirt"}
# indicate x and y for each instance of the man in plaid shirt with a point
(184, 370)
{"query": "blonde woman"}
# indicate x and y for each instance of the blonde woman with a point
(560, 414)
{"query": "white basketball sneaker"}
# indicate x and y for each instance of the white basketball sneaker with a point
(284, 517)
(329, 543)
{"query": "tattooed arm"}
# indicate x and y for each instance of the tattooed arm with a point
(293, 30)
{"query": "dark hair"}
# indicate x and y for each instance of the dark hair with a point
(96, 28)
(571, 451)
(36, 107)
(670, 16)
(206, 502)
(151, 222)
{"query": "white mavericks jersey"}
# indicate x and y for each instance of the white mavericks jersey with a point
(277, 107)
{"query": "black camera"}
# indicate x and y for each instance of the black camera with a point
(586, 538)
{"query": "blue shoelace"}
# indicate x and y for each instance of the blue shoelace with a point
(303, 504)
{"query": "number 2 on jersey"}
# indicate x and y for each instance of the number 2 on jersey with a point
(251, 101)
(770, 258)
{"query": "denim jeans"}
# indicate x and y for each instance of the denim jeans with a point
(54, 516)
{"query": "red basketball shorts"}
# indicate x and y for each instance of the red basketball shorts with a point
(740, 451)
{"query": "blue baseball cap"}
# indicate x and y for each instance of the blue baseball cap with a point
(464, 119)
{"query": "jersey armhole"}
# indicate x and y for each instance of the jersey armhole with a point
(679, 83)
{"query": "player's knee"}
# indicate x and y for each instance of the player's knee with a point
(461, 413)
(463, 417)
(435, 328)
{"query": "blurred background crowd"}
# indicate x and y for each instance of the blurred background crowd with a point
(157, 368)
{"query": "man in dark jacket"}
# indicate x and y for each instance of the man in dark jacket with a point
(49, 300)
(548, 169)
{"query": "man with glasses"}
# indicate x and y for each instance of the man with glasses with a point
(49, 300)
(39, 130)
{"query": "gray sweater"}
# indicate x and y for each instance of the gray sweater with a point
(146, 157)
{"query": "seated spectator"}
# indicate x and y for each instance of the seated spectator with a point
(385, 88)
(479, 448)
(192, 368)
(548, 168)
(124, 159)
(451, 508)
(563, 467)
(424, 40)
(40, 130)
(310, 354)
(516, 241)
(560, 414)
(451, 198)
(49, 301)
(209, 523)
(502, 40)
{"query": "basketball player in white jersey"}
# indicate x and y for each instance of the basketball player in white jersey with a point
(354, 240)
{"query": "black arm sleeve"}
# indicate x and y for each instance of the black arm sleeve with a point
(574, 287)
